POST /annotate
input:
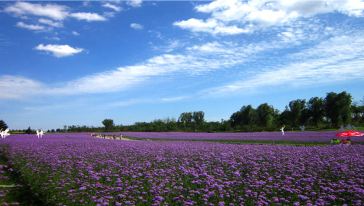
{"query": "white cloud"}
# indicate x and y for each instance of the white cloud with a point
(14, 87)
(33, 27)
(87, 16)
(112, 6)
(174, 99)
(191, 63)
(171, 45)
(211, 47)
(75, 33)
(59, 50)
(209, 26)
(136, 26)
(135, 3)
(130, 102)
(52, 15)
(236, 16)
(337, 59)
(219, 55)
(53, 11)
(50, 22)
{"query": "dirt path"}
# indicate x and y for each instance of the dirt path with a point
(113, 137)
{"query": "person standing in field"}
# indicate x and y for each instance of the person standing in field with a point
(282, 129)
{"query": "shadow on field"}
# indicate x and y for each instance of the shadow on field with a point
(15, 191)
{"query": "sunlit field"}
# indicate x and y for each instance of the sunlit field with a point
(164, 102)
(236, 137)
(77, 169)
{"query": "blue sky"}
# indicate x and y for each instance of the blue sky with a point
(77, 63)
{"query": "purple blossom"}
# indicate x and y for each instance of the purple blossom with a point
(78, 169)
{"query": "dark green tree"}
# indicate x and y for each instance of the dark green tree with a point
(316, 109)
(245, 119)
(357, 113)
(265, 115)
(284, 118)
(338, 108)
(343, 103)
(331, 110)
(185, 119)
(198, 119)
(108, 125)
(29, 131)
(235, 120)
(3, 125)
(296, 108)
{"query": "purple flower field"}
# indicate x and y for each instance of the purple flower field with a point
(75, 169)
(257, 136)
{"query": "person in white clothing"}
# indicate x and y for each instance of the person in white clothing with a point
(282, 130)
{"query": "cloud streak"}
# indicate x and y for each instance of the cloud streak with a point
(236, 17)
(335, 60)
(51, 15)
(58, 50)
(32, 27)
(53, 11)
(112, 6)
(136, 26)
(87, 16)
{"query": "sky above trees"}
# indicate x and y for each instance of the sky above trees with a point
(69, 63)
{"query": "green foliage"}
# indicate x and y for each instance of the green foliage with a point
(265, 114)
(316, 113)
(316, 109)
(3, 125)
(296, 108)
(338, 108)
(108, 124)
(29, 131)
(185, 119)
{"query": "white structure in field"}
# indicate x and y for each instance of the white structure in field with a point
(4, 134)
(282, 130)
(40, 133)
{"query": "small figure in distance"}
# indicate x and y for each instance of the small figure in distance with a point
(302, 128)
(4, 134)
(40, 133)
(282, 129)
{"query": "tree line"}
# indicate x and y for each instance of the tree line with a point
(331, 112)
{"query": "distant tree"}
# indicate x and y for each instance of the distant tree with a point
(29, 131)
(235, 120)
(296, 108)
(3, 125)
(316, 109)
(344, 101)
(198, 119)
(305, 117)
(171, 124)
(265, 115)
(338, 108)
(357, 113)
(185, 119)
(108, 125)
(248, 116)
(331, 110)
(285, 118)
